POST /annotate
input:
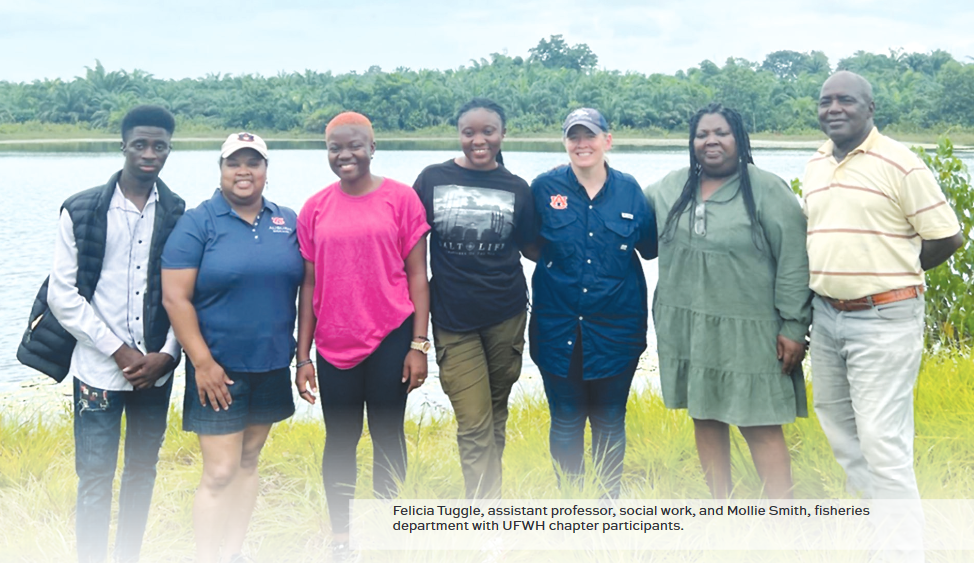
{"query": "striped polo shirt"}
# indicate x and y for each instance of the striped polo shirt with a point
(868, 216)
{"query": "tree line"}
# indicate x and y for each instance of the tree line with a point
(913, 91)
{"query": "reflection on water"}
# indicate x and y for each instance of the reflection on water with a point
(107, 146)
(510, 145)
(62, 147)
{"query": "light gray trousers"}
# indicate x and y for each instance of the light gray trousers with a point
(864, 368)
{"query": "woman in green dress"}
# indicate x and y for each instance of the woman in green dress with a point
(731, 308)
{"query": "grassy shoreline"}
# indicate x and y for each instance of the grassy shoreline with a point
(37, 481)
(46, 133)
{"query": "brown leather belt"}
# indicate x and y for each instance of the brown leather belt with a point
(871, 301)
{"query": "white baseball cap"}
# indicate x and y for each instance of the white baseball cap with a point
(243, 140)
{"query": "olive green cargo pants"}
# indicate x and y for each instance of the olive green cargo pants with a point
(477, 371)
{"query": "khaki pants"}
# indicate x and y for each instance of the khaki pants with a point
(477, 371)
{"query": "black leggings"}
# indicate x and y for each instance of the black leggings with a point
(376, 382)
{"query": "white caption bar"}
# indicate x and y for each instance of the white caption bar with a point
(537, 525)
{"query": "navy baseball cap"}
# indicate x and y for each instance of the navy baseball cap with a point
(590, 118)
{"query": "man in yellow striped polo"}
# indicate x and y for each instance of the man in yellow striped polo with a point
(877, 219)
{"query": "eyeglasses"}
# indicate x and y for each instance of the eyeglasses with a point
(700, 220)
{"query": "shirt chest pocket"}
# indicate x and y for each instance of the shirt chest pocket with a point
(620, 237)
(561, 231)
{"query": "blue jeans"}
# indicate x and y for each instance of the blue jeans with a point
(572, 400)
(97, 429)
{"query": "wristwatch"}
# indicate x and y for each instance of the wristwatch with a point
(423, 346)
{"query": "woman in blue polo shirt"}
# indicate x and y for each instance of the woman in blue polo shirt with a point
(589, 309)
(231, 270)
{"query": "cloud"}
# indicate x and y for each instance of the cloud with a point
(54, 38)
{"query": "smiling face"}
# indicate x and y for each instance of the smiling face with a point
(714, 146)
(481, 134)
(585, 148)
(242, 177)
(845, 110)
(350, 149)
(146, 149)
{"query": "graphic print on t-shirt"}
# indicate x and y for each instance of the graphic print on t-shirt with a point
(473, 221)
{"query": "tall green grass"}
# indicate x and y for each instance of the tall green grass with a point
(37, 481)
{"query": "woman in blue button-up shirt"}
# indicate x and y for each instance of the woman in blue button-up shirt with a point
(589, 313)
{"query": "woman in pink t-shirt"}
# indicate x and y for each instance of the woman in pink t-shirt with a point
(365, 302)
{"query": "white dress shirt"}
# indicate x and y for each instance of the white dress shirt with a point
(114, 315)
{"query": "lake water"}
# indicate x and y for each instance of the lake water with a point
(37, 182)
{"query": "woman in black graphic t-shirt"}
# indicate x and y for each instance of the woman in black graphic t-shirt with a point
(481, 216)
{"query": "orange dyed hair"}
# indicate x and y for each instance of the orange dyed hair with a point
(349, 118)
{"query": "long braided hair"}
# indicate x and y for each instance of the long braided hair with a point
(489, 105)
(744, 158)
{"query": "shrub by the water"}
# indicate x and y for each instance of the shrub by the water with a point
(950, 301)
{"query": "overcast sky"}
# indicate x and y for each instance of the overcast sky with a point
(183, 38)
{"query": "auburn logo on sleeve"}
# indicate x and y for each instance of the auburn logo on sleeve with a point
(559, 201)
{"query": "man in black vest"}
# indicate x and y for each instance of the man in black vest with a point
(105, 290)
